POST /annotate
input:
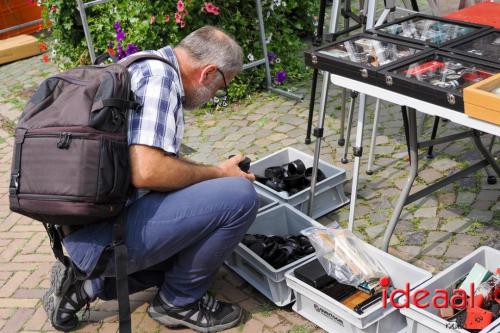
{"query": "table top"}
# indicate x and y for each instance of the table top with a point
(419, 105)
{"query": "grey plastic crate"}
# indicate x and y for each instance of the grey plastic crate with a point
(333, 316)
(266, 201)
(329, 192)
(427, 320)
(281, 220)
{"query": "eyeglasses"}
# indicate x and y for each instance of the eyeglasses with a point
(222, 93)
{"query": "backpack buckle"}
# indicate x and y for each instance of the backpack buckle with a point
(64, 140)
(14, 183)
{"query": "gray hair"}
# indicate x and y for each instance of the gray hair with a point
(210, 45)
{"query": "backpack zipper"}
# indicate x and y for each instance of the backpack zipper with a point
(51, 197)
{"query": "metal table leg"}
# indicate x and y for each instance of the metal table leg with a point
(341, 141)
(318, 133)
(369, 168)
(357, 152)
(412, 131)
(485, 152)
(350, 115)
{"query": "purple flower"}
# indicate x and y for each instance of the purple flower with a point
(120, 36)
(121, 53)
(271, 56)
(117, 26)
(280, 77)
(110, 45)
(131, 49)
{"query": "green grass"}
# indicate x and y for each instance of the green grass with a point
(301, 329)
(473, 229)
(265, 309)
(7, 125)
(416, 222)
(261, 122)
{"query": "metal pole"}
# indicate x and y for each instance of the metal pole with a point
(350, 115)
(341, 141)
(317, 41)
(88, 36)
(357, 151)
(369, 168)
(412, 124)
(318, 132)
(19, 26)
(266, 59)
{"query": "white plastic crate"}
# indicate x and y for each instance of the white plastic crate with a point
(266, 201)
(282, 220)
(329, 192)
(335, 317)
(427, 320)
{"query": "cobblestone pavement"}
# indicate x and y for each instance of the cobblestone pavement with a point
(433, 233)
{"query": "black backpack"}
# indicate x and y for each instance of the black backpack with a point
(71, 163)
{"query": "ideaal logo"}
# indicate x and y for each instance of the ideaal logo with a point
(328, 314)
(440, 298)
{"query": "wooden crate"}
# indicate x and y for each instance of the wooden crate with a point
(16, 12)
(481, 103)
(18, 47)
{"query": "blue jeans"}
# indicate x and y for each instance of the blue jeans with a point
(193, 229)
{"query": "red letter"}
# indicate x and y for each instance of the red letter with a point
(405, 292)
(472, 295)
(384, 298)
(461, 296)
(417, 298)
(444, 296)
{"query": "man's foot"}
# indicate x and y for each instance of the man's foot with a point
(65, 297)
(206, 315)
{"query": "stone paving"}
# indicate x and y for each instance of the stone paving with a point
(433, 233)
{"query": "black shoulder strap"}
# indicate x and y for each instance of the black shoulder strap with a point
(122, 292)
(120, 253)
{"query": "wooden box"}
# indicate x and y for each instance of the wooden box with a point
(18, 47)
(481, 103)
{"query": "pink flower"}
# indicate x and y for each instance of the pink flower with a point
(210, 8)
(178, 18)
(167, 18)
(180, 6)
(183, 23)
(152, 20)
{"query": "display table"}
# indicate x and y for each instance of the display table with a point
(431, 109)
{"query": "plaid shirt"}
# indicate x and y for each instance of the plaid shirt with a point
(159, 122)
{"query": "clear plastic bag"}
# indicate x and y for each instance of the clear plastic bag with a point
(344, 256)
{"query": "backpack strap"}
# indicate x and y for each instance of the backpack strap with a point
(133, 58)
(119, 249)
(122, 291)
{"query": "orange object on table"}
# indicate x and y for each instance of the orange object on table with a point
(16, 12)
(487, 13)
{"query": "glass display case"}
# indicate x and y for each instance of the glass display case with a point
(438, 77)
(485, 46)
(428, 30)
(360, 56)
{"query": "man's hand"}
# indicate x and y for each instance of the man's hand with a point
(230, 168)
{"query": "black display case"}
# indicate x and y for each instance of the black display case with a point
(438, 77)
(485, 46)
(428, 30)
(361, 56)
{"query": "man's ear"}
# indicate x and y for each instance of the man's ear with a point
(207, 74)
